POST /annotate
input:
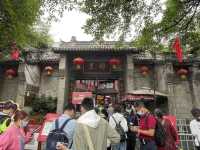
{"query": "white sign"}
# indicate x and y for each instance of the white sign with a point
(47, 128)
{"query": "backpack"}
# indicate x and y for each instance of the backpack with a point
(57, 135)
(120, 131)
(160, 133)
(5, 121)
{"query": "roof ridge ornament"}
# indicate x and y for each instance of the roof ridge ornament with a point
(73, 39)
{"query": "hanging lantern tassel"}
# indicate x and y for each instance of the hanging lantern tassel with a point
(10, 73)
(182, 73)
(114, 63)
(49, 70)
(144, 70)
(78, 62)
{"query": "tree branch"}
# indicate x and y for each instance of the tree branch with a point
(177, 22)
(192, 17)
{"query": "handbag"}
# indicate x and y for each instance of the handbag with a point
(88, 138)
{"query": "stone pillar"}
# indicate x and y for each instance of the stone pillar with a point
(21, 85)
(170, 85)
(62, 82)
(129, 78)
(162, 78)
(196, 85)
(179, 95)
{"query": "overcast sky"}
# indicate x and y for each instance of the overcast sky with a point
(68, 26)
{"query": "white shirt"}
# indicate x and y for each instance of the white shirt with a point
(119, 118)
(195, 129)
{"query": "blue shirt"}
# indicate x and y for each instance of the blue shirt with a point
(69, 128)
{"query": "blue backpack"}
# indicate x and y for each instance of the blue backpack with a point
(57, 136)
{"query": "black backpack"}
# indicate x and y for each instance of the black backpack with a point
(57, 135)
(120, 131)
(160, 133)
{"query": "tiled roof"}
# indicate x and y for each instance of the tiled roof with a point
(108, 46)
(42, 57)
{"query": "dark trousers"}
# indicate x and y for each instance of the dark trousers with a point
(197, 147)
(131, 141)
(150, 145)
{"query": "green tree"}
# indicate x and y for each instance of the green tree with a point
(111, 16)
(20, 21)
(17, 18)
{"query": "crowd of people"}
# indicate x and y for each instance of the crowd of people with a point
(116, 128)
(112, 127)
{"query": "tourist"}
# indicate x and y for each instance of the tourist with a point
(110, 110)
(170, 131)
(146, 129)
(118, 119)
(8, 109)
(92, 131)
(195, 126)
(132, 120)
(14, 137)
(104, 114)
(69, 114)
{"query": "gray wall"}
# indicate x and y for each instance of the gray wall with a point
(141, 80)
(49, 84)
(181, 100)
(8, 89)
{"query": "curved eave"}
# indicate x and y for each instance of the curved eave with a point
(96, 49)
(48, 61)
(163, 61)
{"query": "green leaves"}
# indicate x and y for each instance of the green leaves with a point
(116, 15)
(17, 19)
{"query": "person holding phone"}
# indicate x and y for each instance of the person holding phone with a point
(132, 120)
(146, 129)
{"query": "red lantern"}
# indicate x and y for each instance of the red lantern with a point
(182, 73)
(78, 62)
(144, 70)
(114, 62)
(10, 73)
(48, 70)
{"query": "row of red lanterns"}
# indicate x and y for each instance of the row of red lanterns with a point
(80, 61)
(182, 73)
(11, 73)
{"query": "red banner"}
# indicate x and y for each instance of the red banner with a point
(77, 97)
(177, 47)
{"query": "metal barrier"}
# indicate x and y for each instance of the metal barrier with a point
(186, 138)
